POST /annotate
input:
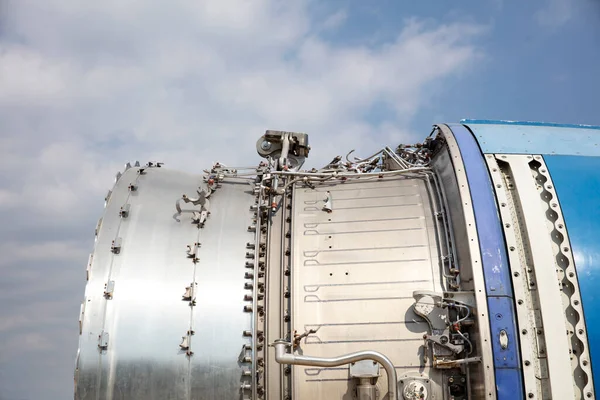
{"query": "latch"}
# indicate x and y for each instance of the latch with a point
(199, 218)
(503, 337)
(328, 206)
(192, 251)
(115, 246)
(103, 341)
(189, 294)
(109, 288)
(124, 211)
(186, 342)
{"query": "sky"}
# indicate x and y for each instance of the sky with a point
(87, 86)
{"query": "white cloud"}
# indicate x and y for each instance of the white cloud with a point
(555, 13)
(87, 86)
(335, 20)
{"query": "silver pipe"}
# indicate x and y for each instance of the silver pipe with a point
(352, 175)
(283, 357)
(401, 163)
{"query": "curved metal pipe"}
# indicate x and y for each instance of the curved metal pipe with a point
(283, 357)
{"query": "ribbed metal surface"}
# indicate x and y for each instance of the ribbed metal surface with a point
(353, 273)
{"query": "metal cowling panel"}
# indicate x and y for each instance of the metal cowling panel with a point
(512, 137)
(137, 306)
(577, 184)
(495, 267)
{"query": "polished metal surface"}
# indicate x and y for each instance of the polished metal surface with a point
(145, 318)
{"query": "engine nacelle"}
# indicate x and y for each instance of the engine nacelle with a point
(456, 268)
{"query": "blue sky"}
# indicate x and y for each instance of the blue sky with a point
(88, 86)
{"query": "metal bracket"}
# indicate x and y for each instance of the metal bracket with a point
(109, 288)
(124, 211)
(328, 206)
(189, 294)
(98, 226)
(115, 246)
(199, 218)
(88, 270)
(192, 251)
(107, 198)
(103, 341)
(186, 343)
(364, 369)
(81, 315)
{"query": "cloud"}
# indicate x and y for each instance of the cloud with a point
(88, 86)
(335, 20)
(555, 13)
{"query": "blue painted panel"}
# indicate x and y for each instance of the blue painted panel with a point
(501, 307)
(502, 318)
(505, 387)
(526, 123)
(577, 183)
(491, 238)
(535, 138)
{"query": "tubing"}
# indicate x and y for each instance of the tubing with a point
(282, 357)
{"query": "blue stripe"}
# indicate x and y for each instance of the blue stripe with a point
(577, 184)
(526, 123)
(498, 285)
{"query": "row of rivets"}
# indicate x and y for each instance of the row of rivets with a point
(255, 277)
